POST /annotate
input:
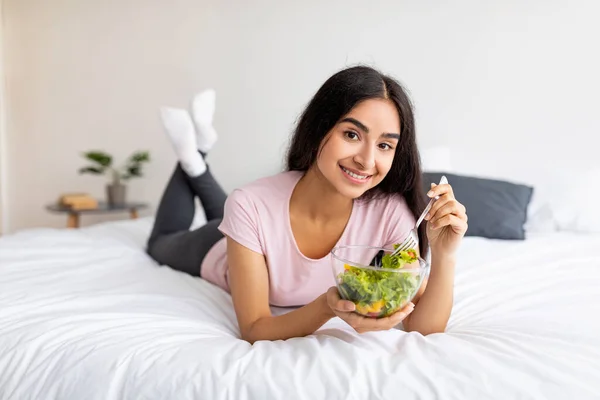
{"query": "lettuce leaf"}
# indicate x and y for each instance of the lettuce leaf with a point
(368, 286)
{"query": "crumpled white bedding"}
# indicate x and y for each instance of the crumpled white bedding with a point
(86, 314)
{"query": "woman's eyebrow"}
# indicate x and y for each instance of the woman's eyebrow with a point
(359, 124)
(363, 127)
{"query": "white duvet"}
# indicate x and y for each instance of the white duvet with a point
(86, 314)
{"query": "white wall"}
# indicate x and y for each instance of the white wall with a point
(503, 83)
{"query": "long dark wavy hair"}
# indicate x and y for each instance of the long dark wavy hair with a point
(335, 98)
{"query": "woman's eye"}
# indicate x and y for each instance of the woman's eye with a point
(351, 135)
(385, 146)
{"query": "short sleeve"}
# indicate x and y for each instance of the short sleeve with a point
(401, 221)
(240, 221)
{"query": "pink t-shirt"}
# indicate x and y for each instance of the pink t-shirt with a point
(257, 217)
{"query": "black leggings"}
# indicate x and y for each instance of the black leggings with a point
(171, 242)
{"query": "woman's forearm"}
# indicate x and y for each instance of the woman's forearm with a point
(300, 322)
(433, 309)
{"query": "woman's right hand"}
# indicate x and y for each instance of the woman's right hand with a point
(345, 310)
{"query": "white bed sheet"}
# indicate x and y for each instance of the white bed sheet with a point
(86, 314)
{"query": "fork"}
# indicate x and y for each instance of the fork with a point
(412, 239)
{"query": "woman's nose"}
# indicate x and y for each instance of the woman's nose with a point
(366, 158)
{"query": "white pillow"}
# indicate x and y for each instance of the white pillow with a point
(563, 199)
(540, 217)
(540, 212)
(574, 201)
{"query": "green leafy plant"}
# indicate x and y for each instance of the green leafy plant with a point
(103, 164)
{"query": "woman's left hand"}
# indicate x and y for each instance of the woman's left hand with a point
(447, 221)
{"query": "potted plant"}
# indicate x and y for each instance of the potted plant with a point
(103, 164)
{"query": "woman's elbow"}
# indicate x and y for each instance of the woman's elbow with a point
(250, 332)
(248, 336)
(248, 339)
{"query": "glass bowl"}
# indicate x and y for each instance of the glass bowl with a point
(376, 283)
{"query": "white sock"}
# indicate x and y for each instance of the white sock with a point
(180, 129)
(203, 109)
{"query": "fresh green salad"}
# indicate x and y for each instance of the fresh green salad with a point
(380, 293)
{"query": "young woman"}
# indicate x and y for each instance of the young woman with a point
(353, 177)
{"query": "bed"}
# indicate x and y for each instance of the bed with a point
(86, 314)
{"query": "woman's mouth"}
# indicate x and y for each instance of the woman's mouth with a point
(354, 177)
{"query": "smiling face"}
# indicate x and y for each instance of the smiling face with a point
(358, 151)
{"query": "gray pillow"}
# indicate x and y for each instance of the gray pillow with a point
(496, 209)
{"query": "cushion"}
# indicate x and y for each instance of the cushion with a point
(573, 196)
(496, 209)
